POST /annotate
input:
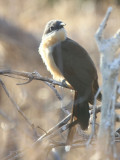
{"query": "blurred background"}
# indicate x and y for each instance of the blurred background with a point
(21, 27)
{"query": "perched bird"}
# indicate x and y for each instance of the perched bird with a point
(68, 61)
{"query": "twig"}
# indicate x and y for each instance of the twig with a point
(16, 106)
(41, 129)
(99, 33)
(98, 109)
(94, 118)
(33, 76)
(14, 155)
(53, 88)
(5, 116)
(15, 77)
(29, 80)
(60, 127)
(50, 134)
(55, 128)
(55, 91)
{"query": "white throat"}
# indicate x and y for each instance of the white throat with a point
(54, 37)
(45, 50)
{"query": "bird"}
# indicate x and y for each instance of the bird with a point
(69, 62)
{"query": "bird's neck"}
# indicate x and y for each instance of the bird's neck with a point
(54, 38)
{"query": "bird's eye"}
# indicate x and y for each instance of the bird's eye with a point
(51, 28)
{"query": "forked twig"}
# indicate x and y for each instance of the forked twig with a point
(32, 76)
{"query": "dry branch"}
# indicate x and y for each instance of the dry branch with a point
(109, 69)
(17, 107)
(34, 75)
(61, 126)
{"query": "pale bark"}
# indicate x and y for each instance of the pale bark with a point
(109, 68)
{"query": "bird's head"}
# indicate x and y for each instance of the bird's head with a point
(53, 26)
(55, 31)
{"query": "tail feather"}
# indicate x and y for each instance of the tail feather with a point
(80, 114)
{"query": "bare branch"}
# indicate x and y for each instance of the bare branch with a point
(64, 122)
(61, 126)
(34, 76)
(93, 118)
(51, 85)
(4, 115)
(56, 128)
(110, 69)
(16, 106)
(29, 80)
(98, 109)
(102, 26)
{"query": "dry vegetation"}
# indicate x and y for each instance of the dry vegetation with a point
(21, 26)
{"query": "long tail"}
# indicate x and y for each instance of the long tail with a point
(81, 112)
(81, 115)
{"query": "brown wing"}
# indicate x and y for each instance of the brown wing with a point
(75, 65)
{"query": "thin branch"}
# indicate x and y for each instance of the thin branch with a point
(55, 128)
(55, 90)
(51, 85)
(29, 80)
(50, 134)
(16, 106)
(98, 109)
(62, 126)
(33, 76)
(103, 24)
(15, 77)
(3, 114)
(14, 155)
(94, 118)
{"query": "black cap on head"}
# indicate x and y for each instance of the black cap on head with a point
(53, 25)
